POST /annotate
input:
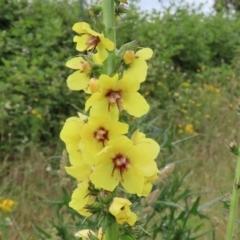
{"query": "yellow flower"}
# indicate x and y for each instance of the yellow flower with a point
(99, 130)
(93, 85)
(117, 95)
(34, 111)
(86, 233)
(6, 205)
(121, 211)
(91, 40)
(186, 84)
(70, 134)
(189, 129)
(136, 62)
(154, 148)
(79, 80)
(81, 171)
(139, 137)
(123, 162)
(39, 116)
(81, 197)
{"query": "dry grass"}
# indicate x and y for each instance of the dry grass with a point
(212, 166)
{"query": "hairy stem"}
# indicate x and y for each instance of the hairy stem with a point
(108, 12)
(234, 202)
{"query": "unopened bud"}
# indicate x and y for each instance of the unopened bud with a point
(233, 148)
(105, 197)
(129, 57)
(119, 11)
(94, 10)
(93, 85)
(86, 67)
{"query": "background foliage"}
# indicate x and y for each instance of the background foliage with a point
(190, 49)
(190, 84)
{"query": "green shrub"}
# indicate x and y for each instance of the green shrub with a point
(36, 41)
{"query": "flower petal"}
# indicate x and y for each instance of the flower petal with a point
(107, 43)
(107, 82)
(81, 27)
(121, 144)
(144, 53)
(80, 172)
(85, 233)
(81, 42)
(132, 181)
(135, 104)
(138, 69)
(78, 81)
(101, 54)
(104, 177)
(97, 96)
(75, 63)
(128, 83)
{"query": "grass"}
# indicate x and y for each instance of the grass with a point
(32, 181)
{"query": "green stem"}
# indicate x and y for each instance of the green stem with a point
(234, 202)
(108, 12)
(112, 231)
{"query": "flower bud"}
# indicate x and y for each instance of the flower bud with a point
(233, 148)
(105, 197)
(93, 85)
(129, 57)
(86, 67)
(94, 10)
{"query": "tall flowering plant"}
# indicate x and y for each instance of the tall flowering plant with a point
(107, 163)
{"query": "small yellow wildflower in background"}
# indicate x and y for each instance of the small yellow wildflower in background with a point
(198, 104)
(164, 76)
(6, 205)
(34, 111)
(197, 122)
(183, 111)
(207, 116)
(39, 116)
(189, 129)
(186, 84)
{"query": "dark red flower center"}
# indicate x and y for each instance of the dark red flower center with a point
(101, 135)
(92, 42)
(121, 163)
(114, 97)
